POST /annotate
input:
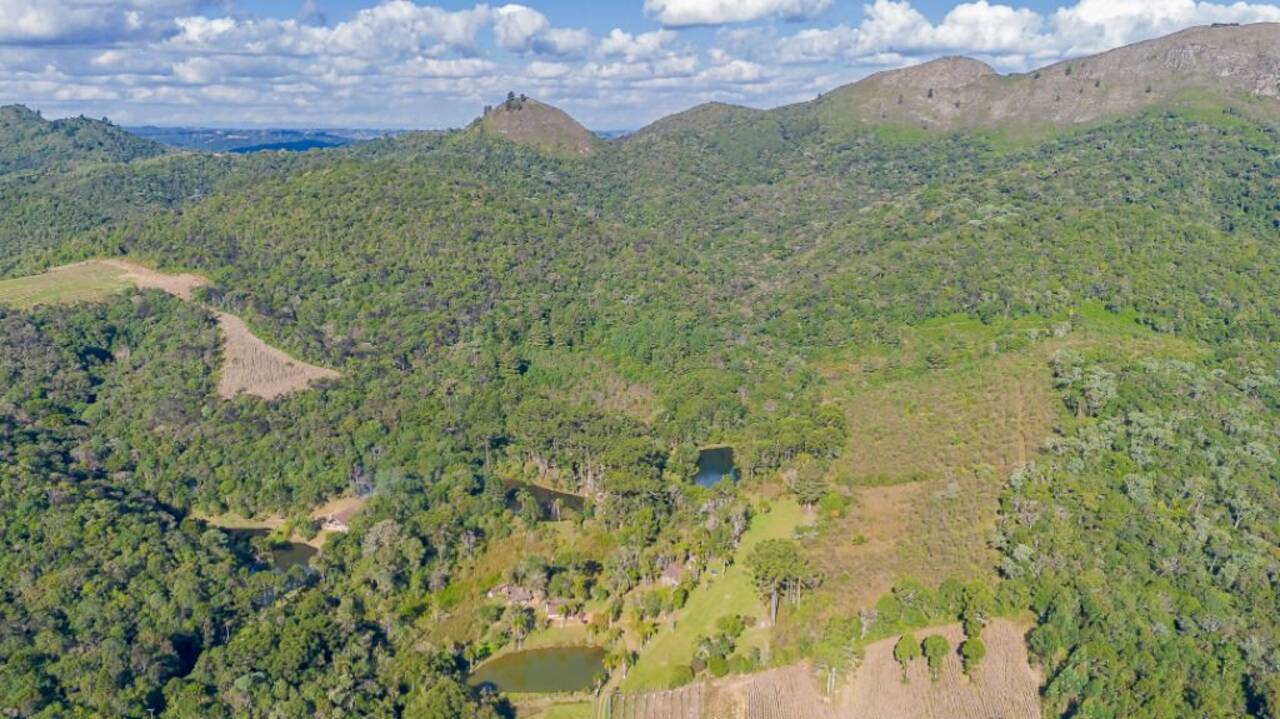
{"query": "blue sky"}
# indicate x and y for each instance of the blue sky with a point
(613, 64)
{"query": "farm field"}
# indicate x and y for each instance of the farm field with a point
(250, 365)
(254, 367)
(1003, 685)
(81, 282)
(730, 593)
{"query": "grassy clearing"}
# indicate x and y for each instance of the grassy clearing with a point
(936, 424)
(83, 282)
(730, 593)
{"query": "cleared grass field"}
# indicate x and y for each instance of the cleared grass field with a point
(730, 593)
(82, 282)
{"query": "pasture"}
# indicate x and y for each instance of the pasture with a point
(81, 282)
(937, 421)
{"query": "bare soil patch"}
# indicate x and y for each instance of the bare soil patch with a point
(254, 367)
(1004, 684)
(784, 693)
(181, 286)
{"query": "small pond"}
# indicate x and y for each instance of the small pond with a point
(714, 464)
(283, 556)
(551, 669)
(550, 501)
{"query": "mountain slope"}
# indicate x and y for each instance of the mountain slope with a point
(28, 141)
(1219, 63)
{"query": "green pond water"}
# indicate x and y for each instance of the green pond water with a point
(714, 464)
(551, 669)
(548, 499)
(283, 556)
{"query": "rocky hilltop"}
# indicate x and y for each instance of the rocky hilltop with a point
(528, 122)
(1222, 62)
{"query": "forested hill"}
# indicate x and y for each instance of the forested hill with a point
(505, 308)
(29, 142)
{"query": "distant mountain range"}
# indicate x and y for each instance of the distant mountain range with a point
(251, 140)
(1209, 67)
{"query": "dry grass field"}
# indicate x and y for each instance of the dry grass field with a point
(81, 282)
(181, 286)
(1004, 685)
(254, 367)
(249, 364)
(785, 693)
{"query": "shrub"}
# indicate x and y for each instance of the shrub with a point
(718, 666)
(936, 649)
(971, 653)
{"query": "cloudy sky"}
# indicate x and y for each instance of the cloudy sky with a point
(613, 64)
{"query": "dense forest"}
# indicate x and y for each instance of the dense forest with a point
(501, 315)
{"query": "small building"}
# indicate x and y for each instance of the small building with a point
(557, 610)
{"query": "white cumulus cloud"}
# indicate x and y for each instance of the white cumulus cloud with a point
(677, 13)
(1007, 35)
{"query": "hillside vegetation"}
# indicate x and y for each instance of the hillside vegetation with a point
(974, 374)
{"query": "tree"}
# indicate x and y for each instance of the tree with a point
(906, 651)
(977, 605)
(521, 621)
(971, 653)
(936, 648)
(778, 569)
(810, 486)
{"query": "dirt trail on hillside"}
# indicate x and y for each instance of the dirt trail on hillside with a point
(182, 286)
(249, 365)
